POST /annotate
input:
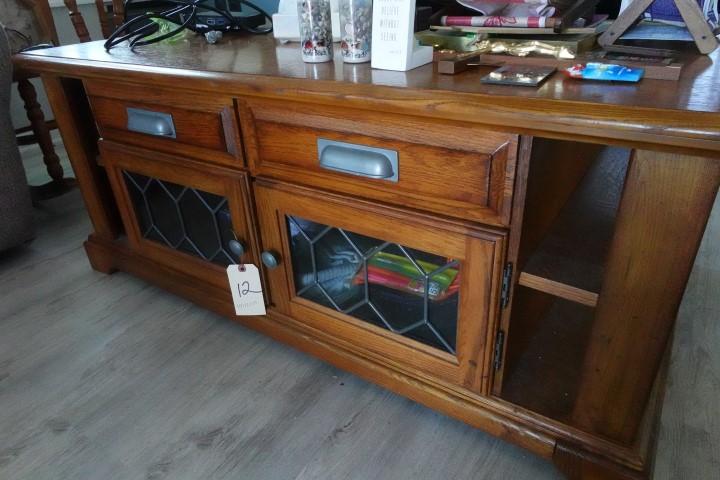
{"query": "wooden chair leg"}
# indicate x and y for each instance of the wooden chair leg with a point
(59, 184)
(77, 20)
(39, 127)
(107, 25)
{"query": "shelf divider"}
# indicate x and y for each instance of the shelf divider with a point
(568, 292)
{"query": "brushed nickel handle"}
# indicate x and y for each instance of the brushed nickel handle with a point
(148, 122)
(361, 160)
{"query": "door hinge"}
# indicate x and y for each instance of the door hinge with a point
(505, 289)
(499, 343)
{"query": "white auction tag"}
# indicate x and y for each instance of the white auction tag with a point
(246, 289)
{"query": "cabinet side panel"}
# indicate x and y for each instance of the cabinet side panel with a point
(663, 212)
(70, 106)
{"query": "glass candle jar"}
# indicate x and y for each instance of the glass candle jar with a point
(355, 30)
(315, 30)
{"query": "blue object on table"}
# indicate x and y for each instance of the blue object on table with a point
(609, 72)
(658, 32)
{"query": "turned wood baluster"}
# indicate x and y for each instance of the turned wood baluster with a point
(77, 20)
(40, 129)
(110, 22)
(118, 12)
(106, 23)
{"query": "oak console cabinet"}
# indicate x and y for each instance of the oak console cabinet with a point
(512, 257)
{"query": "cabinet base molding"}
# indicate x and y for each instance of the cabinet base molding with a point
(577, 464)
(496, 418)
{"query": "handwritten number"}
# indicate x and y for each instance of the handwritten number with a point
(244, 289)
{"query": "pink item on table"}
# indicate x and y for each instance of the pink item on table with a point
(510, 8)
(495, 21)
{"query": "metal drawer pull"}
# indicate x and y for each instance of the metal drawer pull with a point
(149, 122)
(359, 160)
(236, 248)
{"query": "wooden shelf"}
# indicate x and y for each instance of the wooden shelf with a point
(569, 260)
(558, 289)
(545, 352)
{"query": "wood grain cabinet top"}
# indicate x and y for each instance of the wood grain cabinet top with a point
(685, 113)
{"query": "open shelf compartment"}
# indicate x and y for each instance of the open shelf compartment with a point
(565, 255)
(573, 193)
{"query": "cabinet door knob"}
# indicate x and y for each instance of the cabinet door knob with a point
(237, 248)
(269, 259)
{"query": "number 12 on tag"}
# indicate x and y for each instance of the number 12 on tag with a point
(246, 289)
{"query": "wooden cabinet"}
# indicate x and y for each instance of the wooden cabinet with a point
(404, 288)
(186, 215)
(390, 257)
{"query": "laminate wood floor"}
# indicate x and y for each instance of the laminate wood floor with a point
(106, 377)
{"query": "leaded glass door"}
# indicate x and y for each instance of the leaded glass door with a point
(409, 292)
(409, 288)
(190, 216)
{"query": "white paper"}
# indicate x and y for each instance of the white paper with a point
(246, 289)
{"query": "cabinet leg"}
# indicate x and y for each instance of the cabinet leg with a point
(100, 259)
(576, 464)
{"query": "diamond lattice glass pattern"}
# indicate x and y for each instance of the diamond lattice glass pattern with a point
(409, 292)
(182, 218)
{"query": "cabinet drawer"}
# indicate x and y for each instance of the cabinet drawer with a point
(203, 127)
(446, 168)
